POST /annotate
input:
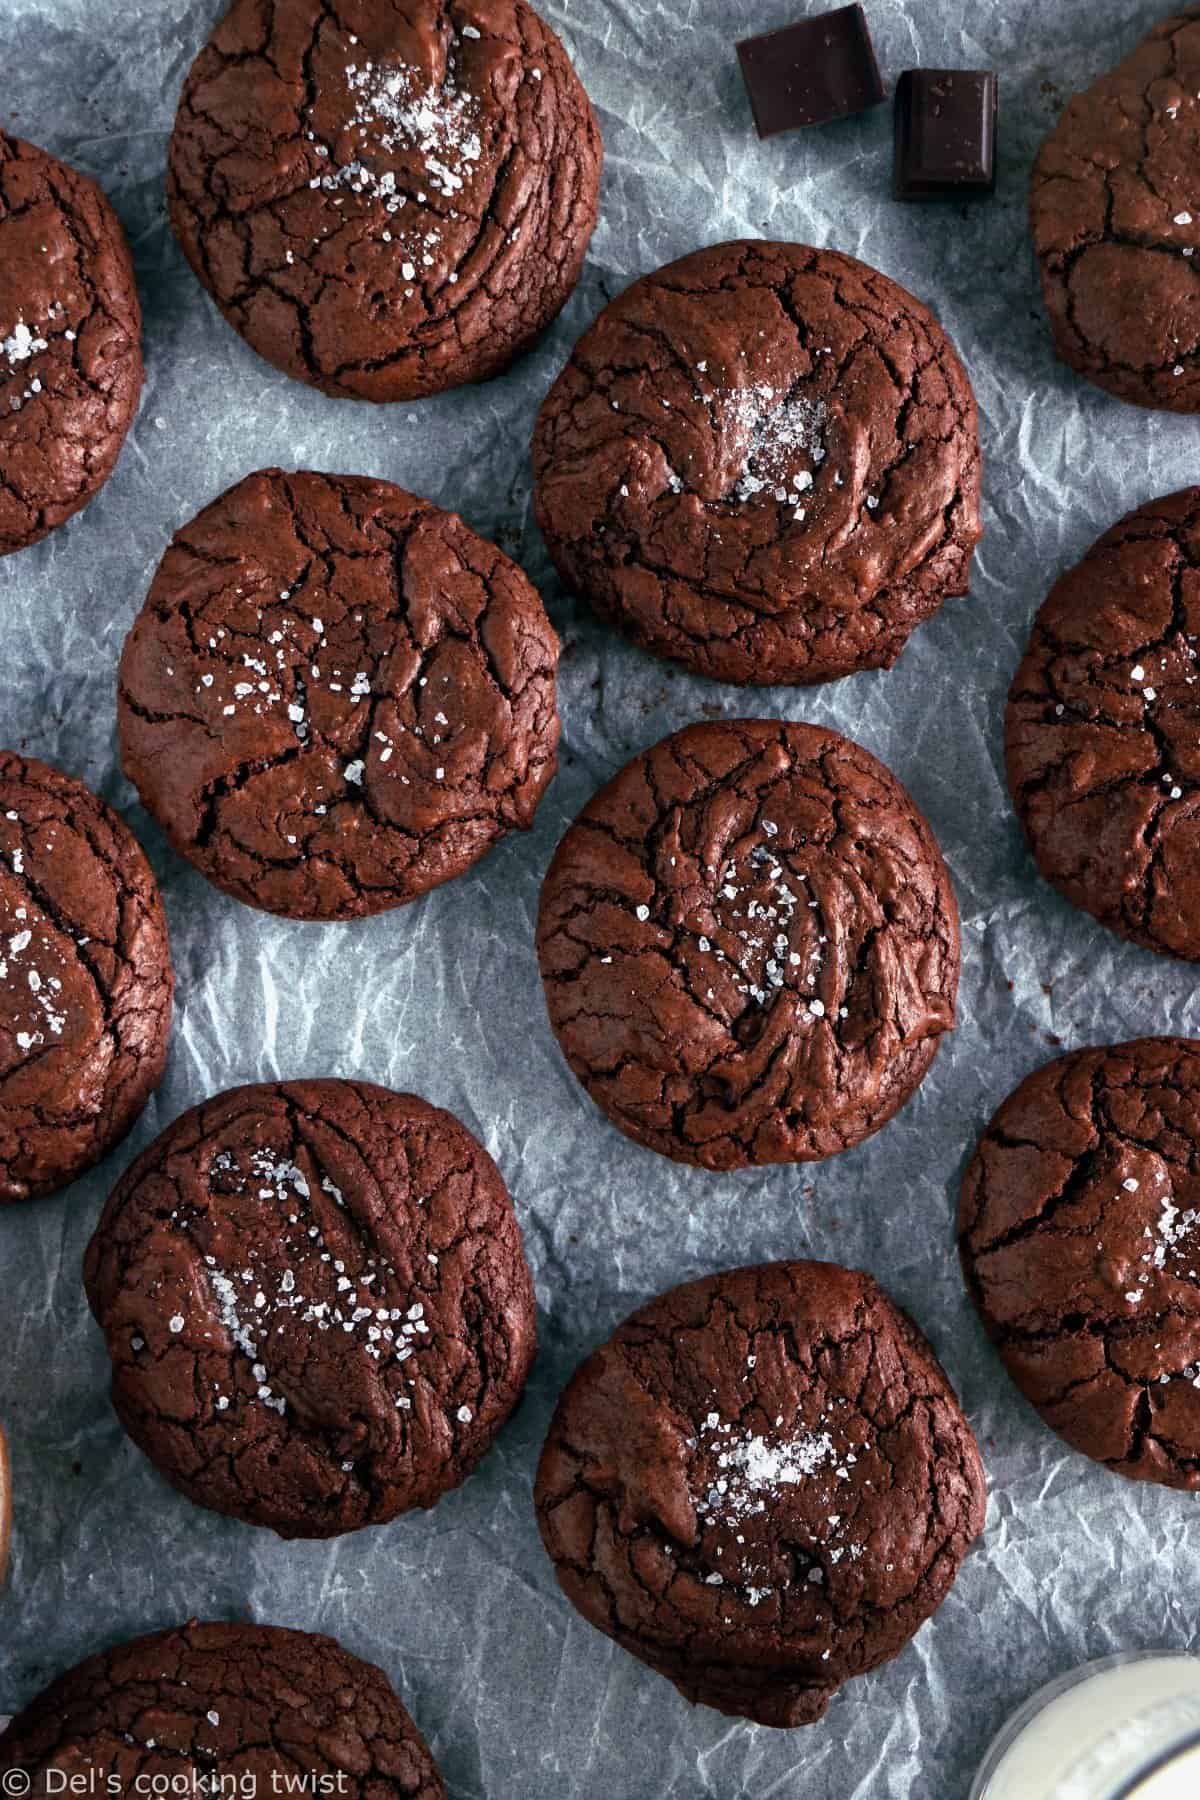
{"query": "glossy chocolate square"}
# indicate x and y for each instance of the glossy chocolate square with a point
(810, 72)
(945, 134)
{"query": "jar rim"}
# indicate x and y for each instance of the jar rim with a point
(1052, 1690)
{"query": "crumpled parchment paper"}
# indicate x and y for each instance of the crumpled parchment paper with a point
(520, 1699)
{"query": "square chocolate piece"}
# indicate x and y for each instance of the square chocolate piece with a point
(945, 134)
(810, 72)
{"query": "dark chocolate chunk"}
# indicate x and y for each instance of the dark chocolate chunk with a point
(810, 72)
(945, 134)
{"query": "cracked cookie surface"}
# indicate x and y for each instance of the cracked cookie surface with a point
(761, 1485)
(316, 1302)
(336, 696)
(749, 945)
(85, 979)
(762, 461)
(385, 201)
(243, 1705)
(1116, 227)
(1101, 730)
(1079, 1230)
(70, 342)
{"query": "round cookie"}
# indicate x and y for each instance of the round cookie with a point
(749, 945)
(316, 1302)
(1102, 730)
(85, 979)
(1079, 1230)
(761, 1485)
(231, 1709)
(70, 342)
(384, 201)
(1112, 207)
(336, 696)
(763, 461)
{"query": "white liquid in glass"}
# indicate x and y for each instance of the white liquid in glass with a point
(1129, 1726)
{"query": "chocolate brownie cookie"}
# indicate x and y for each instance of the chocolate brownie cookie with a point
(761, 1486)
(1102, 732)
(749, 944)
(70, 342)
(1080, 1240)
(763, 461)
(336, 696)
(85, 979)
(6, 1507)
(385, 201)
(1116, 225)
(223, 1709)
(316, 1303)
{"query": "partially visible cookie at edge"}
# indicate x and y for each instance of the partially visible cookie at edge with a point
(762, 1485)
(206, 1704)
(1102, 729)
(762, 461)
(316, 1303)
(1114, 211)
(749, 945)
(385, 202)
(1079, 1230)
(86, 982)
(70, 342)
(336, 696)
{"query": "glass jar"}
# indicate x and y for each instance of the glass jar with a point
(1125, 1728)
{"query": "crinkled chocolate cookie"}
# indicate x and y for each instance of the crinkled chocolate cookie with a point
(70, 342)
(316, 1302)
(227, 1709)
(385, 201)
(85, 979)
(762, 1485)
(749, 945)
(336, 696)
(1102, 732)
(763, 460)
(1116, 223)
(1080, 1239)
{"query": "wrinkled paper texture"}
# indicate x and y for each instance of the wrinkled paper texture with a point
(519, 1698)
